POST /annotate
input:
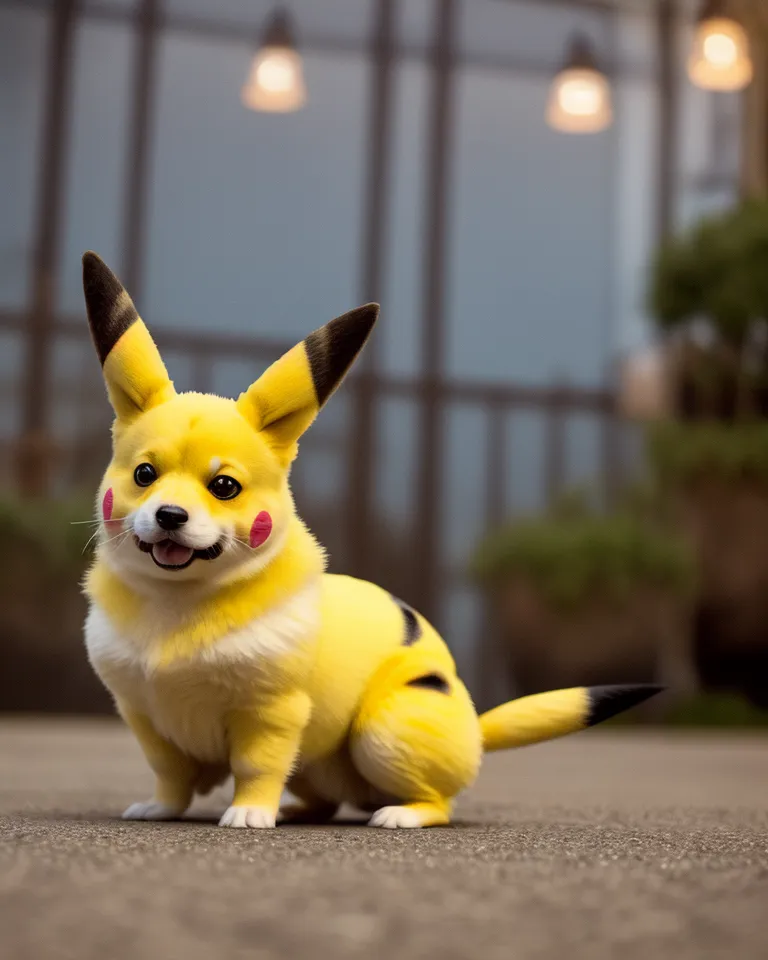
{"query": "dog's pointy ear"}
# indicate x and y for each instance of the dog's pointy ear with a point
(285, 400)
(134, 372)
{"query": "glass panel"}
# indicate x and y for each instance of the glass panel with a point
(226, 376)
(532, 235)
(709, 121)
(416, 23)
(636, 209)
(583, 449)
(396, 463)
(10, 367)
(636, 38)
(399, 333)
(255, 218)
(80, 417)
(343, 19)
(463, 475)
(529, 31)
(318, 483)
(527, 493)
(22, 80)
(119, 6)
(98, 145)
(460, 623)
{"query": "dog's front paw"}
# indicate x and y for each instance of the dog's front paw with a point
(259, 818)
(151, 810)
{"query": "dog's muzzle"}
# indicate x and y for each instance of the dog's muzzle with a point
(171, 555)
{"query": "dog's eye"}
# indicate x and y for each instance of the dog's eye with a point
(145, 474)
(224, 488)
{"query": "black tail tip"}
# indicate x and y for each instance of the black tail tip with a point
(605, 702)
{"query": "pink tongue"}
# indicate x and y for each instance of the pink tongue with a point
(171, 554)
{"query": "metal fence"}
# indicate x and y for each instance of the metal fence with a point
(63, 418)
(362, 543)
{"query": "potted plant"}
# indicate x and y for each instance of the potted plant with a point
(709, 295)
(582, 597)
(43, 666)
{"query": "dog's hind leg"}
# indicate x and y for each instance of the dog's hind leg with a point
(416, 738)
(427, 814)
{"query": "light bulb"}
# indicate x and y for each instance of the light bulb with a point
(579, 101)
(276, 79)
(720, 58)
(276, 71)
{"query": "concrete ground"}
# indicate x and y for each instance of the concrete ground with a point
(603, 845)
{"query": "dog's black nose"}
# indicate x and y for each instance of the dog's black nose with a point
(171, 518)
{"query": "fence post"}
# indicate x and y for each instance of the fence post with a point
(135, 198)
(34, 446)
(362, 447)
(491, 685)
(496, 465)
(554, 453)
(431, 441)
(611, 440)
(667, 101)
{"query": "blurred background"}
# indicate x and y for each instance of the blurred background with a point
(555, 445)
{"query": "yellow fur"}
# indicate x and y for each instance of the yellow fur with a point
(255, 662)
(208, 617)
(542, 716)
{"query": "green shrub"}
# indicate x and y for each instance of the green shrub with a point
(56, 531)
(716, 273)
(716, 710)
(43, 664)
(716, 270)
(682, 452)
(573, 554)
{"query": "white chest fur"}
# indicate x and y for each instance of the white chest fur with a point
(189, 700)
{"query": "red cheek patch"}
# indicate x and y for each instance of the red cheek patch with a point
(107, 503)
(260, 529)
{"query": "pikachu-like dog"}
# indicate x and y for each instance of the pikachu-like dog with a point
(226, 646)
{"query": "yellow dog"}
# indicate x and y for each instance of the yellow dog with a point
(227, 648)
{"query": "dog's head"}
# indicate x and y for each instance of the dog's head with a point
(198, 484)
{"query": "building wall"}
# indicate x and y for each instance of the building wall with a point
(255, 221)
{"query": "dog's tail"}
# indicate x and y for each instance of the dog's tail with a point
(544, 716)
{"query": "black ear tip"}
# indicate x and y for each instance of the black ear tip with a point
(91, 260)
(355, 325)
(94, 269)
(364, 316)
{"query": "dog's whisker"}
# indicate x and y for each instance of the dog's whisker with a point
(90, 540)
(96, 533)
(241, 543)
(123, 533)
(111, 520)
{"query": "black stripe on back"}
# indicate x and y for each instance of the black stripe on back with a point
(431, 681)
(332, 348)
(412, 625)
(110, 310)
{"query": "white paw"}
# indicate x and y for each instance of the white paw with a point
(151, 810)
(260, 818)
(391, 818)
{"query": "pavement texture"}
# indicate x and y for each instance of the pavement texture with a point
(602, 845)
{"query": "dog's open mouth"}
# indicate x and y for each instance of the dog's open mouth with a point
(171, 555)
